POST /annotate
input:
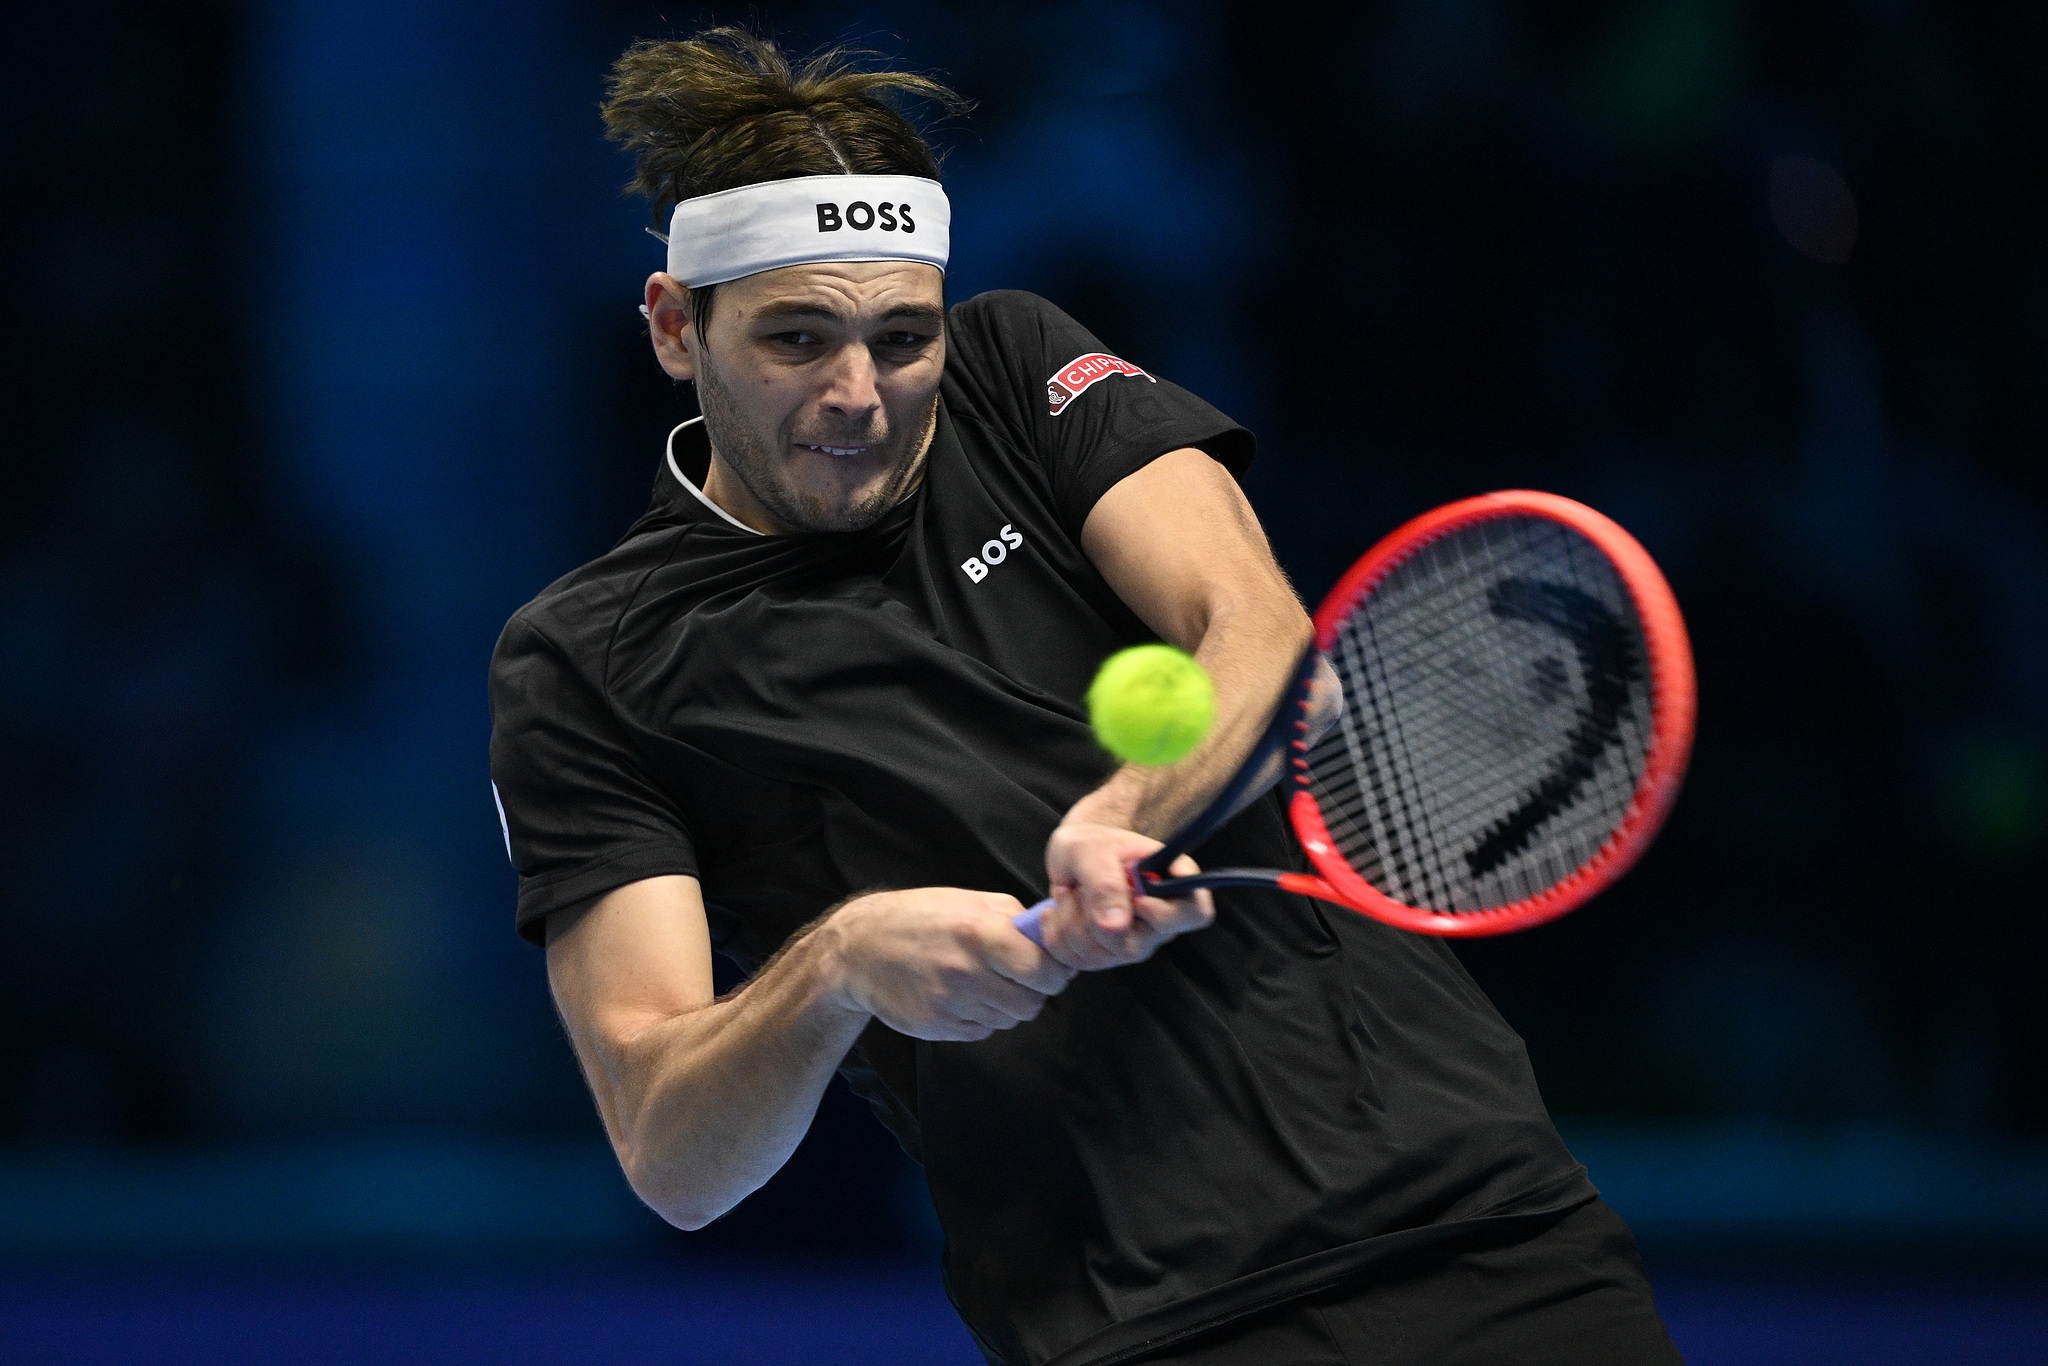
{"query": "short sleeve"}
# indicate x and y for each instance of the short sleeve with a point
(580, 816)
(1091, 417)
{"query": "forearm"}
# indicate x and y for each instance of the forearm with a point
(705, 1105)
(1179, 544)
(704, 1099)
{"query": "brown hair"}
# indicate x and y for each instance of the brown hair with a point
(726, 108)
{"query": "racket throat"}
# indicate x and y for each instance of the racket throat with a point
(1151, 884)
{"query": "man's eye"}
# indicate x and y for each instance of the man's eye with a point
(905, 341)
(793, 338)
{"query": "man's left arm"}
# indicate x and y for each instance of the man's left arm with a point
(1183, 549)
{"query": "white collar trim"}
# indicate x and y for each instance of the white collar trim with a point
(700, 495)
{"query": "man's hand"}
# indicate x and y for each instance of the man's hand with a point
(1095, 922)
(940, 963)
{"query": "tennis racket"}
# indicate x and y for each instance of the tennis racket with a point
(1516, 717)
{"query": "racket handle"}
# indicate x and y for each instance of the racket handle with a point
(1031, 924)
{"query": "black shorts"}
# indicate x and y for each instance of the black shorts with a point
(1574, 1294)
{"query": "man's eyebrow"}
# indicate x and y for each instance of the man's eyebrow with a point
(797, 308)
(929, 313)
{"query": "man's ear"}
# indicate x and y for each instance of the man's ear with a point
(670, 325)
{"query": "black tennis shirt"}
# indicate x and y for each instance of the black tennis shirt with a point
(792, 719)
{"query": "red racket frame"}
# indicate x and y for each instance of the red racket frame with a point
(1673, 702)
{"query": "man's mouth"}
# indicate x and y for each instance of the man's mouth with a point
(836, 450)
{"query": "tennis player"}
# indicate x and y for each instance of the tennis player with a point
(819, 711)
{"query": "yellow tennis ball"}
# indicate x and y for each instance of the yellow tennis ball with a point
(1151, 704)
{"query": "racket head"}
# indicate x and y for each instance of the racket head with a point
(1518, 713)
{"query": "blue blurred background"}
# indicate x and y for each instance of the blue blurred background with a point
(326, 359)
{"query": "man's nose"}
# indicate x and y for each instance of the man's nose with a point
(850, 387)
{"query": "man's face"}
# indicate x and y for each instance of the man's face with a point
(819, 386)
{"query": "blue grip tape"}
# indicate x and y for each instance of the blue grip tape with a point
(1031, 924)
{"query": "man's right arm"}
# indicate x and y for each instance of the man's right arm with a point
(705, 1098)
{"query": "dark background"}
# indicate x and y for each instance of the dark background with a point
(326, 359)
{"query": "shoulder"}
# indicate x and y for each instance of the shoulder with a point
(1002, 348)
(999, 308)
(1008, 318)
(573, 621)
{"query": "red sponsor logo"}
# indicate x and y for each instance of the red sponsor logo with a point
(1076, 375)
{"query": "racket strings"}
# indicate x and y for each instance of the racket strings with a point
(1496, 722)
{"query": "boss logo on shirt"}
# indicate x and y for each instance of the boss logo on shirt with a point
(1077, 374)
(862, 215)
(993, 552)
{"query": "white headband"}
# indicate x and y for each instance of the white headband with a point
(718, 237)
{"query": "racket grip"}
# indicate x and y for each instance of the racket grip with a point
(1031, 924)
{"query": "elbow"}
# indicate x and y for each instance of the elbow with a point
(666, 1197)
(688, 1220)
(676, 1200)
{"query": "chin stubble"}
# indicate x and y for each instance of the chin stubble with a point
(756, 467)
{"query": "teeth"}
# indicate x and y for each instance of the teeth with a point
(840, 450)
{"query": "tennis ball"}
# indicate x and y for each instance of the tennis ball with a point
(1151, 704)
